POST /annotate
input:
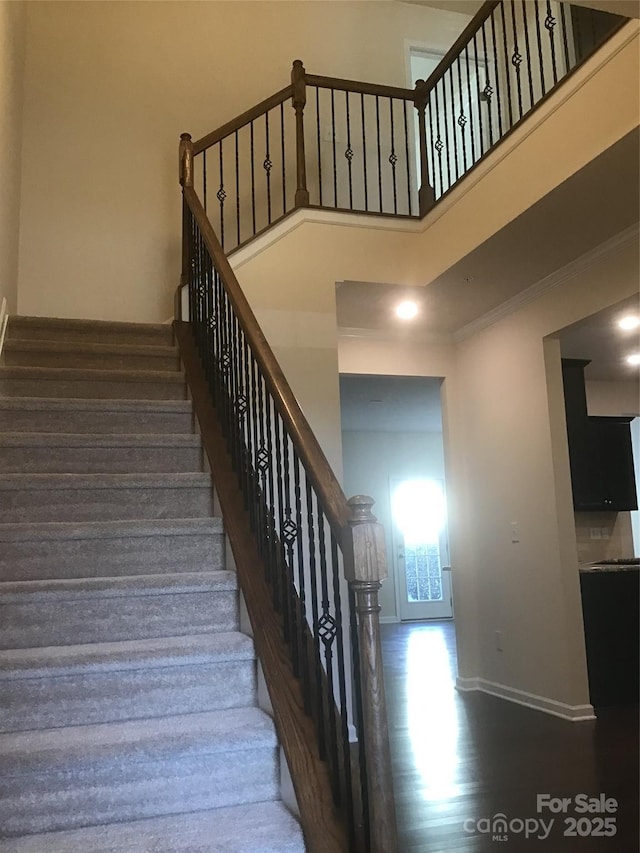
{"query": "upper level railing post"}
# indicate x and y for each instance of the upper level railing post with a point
(185, 176)
(369, 568)
(299, 99)
(426, 194)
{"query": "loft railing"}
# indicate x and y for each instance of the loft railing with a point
(363, 147)
(368, 148)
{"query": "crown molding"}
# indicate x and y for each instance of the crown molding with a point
(549, 282)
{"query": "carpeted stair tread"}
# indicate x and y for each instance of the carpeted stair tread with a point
(46, 439)
(185, 480)
(141, 741)
(266, 827)
(56, 404)
(128, 586)
(23, 327)
(175, 377)
(58, 661)
(71, 347)
(56, 530)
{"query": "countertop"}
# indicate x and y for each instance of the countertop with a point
(627, 564)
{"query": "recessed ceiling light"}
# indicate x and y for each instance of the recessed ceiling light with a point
(629, 323)
(407, 310)
(634, 358)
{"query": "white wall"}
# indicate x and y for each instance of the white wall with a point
(109, 88)
(370, 459)
(12, 36)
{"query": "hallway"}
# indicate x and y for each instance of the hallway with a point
(463, 757)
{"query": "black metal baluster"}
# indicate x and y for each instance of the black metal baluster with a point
(263, 461)
(327, 630)
(498, 91)
(445, 141)
(462, 119)
(506, 65)
(565, 40)
(302, 585)
(393, 157)
(204, 179)
(342, 692)
(454, 135)
(289, 533)
(379, 150)
(284, 161)
(267, 166)
(438, 145)
(478, 98)
(364, 153)
(318, 704)
(319, 146)
(471, 133)
(528, 51)
(250, 501)
(540, 56)
(333, 148)
(221, 196)
(253, 180)
(487, 91)
(281, 569)
(273, 538)
(349, 150)
(237, 192)
(550, 24)
(516, 58)
(405, 107)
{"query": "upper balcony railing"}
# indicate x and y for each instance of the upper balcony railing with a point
(323, 142)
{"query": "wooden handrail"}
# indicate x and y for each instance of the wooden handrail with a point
(456, 48)
(306, 444)
(359, 87)
(237, 123)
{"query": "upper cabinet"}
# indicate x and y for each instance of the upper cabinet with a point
(600, 451)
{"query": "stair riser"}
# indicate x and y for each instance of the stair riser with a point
(123, 790)
(99, 460)
(108, 504)
(91, 558)
(90, 389)
(72, 333)
(101, 620)
(105, 697)
(92, 422)
(99, 361)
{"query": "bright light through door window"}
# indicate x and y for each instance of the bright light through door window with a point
(419, 510)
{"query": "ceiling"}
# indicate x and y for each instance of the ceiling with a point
(600, 339)
(598, 202)
(390, 404)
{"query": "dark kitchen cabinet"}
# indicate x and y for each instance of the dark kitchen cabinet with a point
(600, 451)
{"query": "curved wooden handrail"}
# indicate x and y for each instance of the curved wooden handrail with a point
(359, 87)
(250, 115)
(327, 488)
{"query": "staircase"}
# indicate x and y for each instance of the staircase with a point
(128, 711)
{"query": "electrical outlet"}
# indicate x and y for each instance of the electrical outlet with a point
(515, 532)
(499, 641)
(595, 533)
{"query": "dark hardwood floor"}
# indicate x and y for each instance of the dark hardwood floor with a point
(466, 757)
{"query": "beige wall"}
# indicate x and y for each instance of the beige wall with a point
(109, 88)
(12, 32)
(612, 398)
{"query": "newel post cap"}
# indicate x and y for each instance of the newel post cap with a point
(369, 551)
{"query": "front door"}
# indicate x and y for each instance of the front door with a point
(421, 549)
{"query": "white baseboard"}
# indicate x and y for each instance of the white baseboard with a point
(388, 620)
(573, 713)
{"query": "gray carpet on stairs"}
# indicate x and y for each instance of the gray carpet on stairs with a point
(128, 715)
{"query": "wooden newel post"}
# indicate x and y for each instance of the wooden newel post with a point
(185, 158)
(185, 174)
(299, 99)
(364, 576)
(426, 194)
